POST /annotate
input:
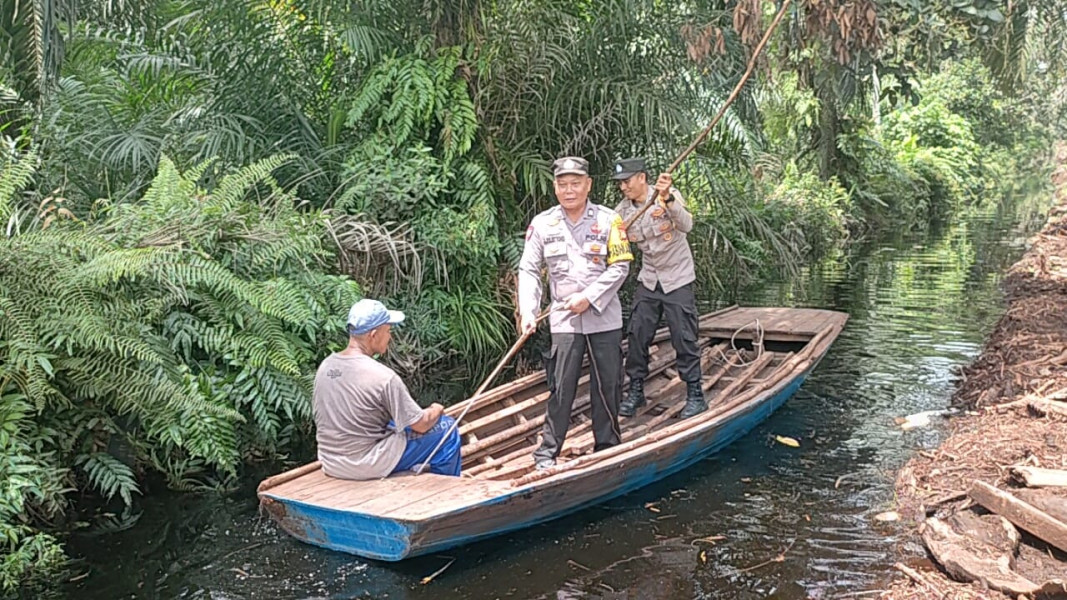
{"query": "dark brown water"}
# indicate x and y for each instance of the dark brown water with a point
(758, 520)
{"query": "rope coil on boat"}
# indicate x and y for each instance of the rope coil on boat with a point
(757, 344)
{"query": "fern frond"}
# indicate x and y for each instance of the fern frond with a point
(13, 177)
(109, 476)
(233, 187)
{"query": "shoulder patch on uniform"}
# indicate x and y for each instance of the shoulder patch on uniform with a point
(529, 232)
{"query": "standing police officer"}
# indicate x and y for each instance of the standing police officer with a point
(666, 282)
(588, 256)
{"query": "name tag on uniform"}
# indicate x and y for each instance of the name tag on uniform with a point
(555, 249)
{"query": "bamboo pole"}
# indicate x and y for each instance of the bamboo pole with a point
(722, 111)
(470, 402)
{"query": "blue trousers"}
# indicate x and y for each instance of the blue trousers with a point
(420, 445)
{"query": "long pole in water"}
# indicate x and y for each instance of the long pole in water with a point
(722, 111)
(496, 371)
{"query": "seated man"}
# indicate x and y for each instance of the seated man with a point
(367, 425)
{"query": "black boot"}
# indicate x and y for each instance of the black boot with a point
(694, 400)
(635, 400)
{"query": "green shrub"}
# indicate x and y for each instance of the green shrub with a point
(176, 334)
(936, 147)
(810, 213)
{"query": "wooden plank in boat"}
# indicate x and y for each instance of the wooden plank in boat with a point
(457, 499)
(793, 324)
(358, 494)
(322, 489)
(538, 378)
(466, 492)
(367, 490)
(311, 481)
(417, 488)
(812, 322)
(579, 435)
(312, 491)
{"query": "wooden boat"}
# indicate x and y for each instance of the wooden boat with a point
(753, 359)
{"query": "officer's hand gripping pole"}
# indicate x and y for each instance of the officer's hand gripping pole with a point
(496, 371)
(733, 96)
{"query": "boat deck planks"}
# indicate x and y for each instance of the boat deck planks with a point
(500, 490)
(778, 323)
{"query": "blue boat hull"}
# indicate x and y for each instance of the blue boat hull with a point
(387, 539)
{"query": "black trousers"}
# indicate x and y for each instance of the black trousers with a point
(680, 307)
(563, 365)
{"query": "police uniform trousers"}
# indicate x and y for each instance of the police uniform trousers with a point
(680, 308)
(563, 367)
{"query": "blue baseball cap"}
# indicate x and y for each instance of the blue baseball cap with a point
(368, 314)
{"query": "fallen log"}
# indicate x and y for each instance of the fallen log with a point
(967, 559)
(1036, 477)
(1045, 501)
(1024, 515)
(1048, 408)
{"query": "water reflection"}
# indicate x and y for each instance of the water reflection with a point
(757, 520)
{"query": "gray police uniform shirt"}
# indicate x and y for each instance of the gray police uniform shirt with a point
(660, 234)
(591, 257)
(354, 400)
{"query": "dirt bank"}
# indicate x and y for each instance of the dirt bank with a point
(1025, 359)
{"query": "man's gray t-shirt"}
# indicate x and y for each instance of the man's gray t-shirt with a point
(355, 397)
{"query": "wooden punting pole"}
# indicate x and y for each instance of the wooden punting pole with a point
(722, 111)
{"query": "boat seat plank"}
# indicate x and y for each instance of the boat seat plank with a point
(303, 484)
(424, 487)
(324, 488)
(378, 494)
(465, 492)
(359, 491)
(791, 322)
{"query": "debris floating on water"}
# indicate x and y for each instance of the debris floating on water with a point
(434, 575)
(922, 419)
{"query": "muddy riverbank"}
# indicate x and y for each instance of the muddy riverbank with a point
(1002, 424)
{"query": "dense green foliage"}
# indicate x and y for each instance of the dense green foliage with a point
(192, 192)
(176, 333)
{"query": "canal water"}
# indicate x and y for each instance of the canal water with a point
(758, 520)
